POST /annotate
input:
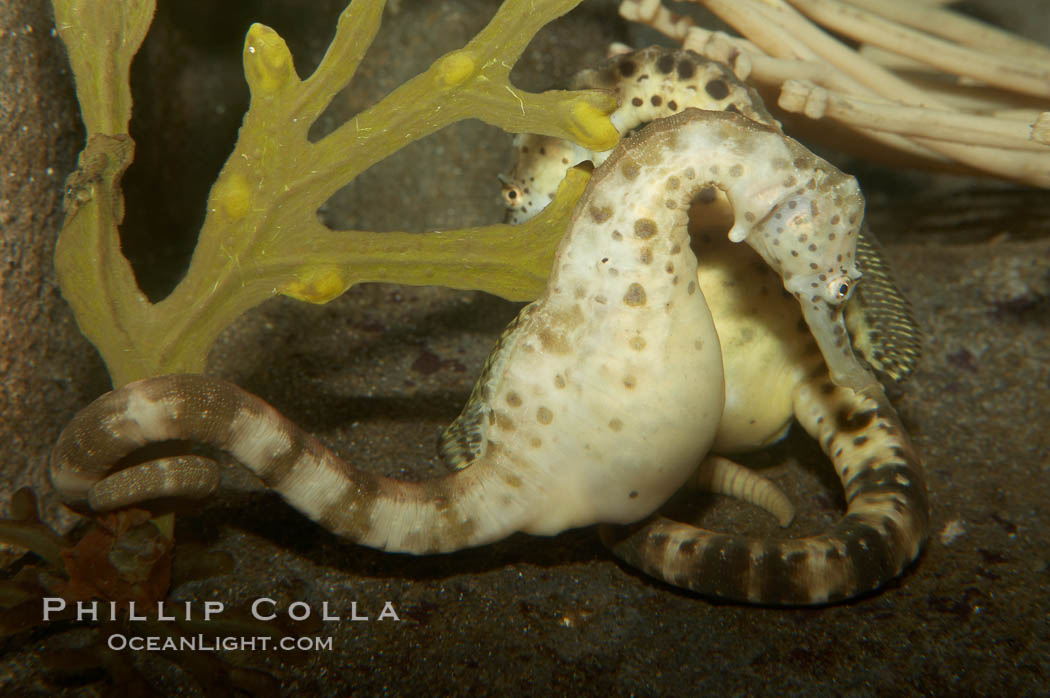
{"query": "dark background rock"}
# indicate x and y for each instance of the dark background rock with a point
(48, 369)
(379, 372)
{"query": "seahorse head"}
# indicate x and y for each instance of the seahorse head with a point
(815, 252)
(540, 163)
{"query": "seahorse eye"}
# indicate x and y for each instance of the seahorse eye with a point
(512, 196)
(839, 289)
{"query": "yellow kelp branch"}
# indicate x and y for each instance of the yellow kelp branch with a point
(316, 264)
(915, 84)
(261, 234)
(355, 31)
(101, 39)
(472, 82)
(96, 279)
(515, 260)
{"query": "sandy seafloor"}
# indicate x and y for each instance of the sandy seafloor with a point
(379, 372)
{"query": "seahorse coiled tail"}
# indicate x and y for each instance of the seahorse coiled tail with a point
(884, 529)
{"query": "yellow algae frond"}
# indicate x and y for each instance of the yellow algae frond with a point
(261, 235)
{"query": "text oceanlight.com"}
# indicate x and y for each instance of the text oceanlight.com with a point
(193, 643)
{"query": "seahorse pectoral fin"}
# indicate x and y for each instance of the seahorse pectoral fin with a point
(879, 317)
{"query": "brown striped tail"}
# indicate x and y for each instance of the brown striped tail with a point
(480, 504)
(884, 528)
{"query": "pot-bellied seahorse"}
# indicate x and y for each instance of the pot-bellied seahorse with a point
(656, 82)
(597, 404)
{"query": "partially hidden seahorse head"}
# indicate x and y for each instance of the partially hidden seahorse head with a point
(649, 83)
(539, 167)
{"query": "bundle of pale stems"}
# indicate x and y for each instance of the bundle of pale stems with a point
(923, 86)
